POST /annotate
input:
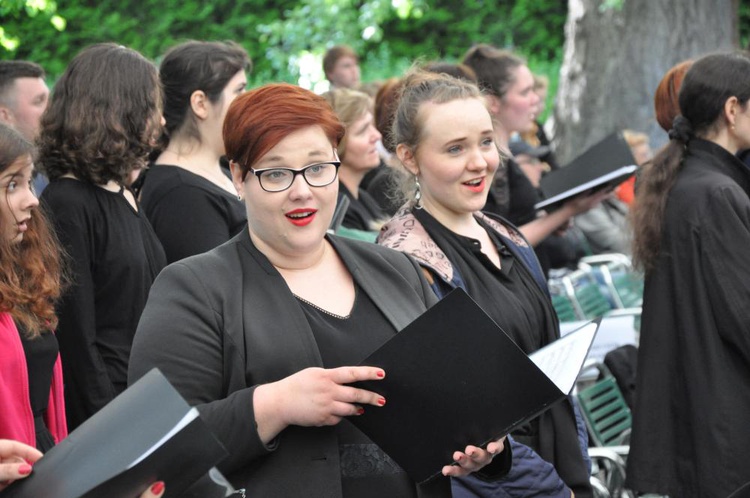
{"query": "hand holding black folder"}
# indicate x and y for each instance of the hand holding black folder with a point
(148, 433)
(454, 378)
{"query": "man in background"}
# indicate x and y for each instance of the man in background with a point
(341, 66)
(23, 99)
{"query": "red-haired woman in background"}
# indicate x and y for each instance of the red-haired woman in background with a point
(245, 333)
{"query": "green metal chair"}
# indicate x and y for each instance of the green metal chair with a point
(607, 415)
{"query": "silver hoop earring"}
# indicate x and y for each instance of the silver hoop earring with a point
(417, 193)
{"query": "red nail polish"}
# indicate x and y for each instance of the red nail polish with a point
(381, 374)
(158, 487)
(381, 401)
(360, 411)
(24, 469)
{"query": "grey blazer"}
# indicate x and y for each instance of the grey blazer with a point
(221, 323)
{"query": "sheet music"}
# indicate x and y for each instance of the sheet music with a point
(562, 360)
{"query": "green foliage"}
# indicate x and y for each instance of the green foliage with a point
(286, 38)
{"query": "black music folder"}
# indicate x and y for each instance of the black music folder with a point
(604, 165)
(146, 434)
(454, 378)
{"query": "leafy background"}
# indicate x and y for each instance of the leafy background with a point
(286, 38)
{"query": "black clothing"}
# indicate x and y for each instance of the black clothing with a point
(41, 354)
(382, 184)
(512, 195)
(221, 323)
(363, 213)
(513, 299)
(366, 470)
(190, 215)
(549, 157)
(690, 424)
(114, 258)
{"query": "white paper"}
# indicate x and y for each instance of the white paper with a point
(562, 360)
(189, 417)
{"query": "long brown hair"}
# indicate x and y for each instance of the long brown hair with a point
(709, 83)
(30, 270)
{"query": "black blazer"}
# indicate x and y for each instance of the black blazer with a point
(221, 323)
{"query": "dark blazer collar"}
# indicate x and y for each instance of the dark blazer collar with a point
(718, 158)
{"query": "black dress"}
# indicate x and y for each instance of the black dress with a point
(190, 215)
(114, 257)
(41, 354)
(366, 471)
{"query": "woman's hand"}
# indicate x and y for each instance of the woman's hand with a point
(473, 458)
(15, 461)
(584, 202)
(155, 491)
(313, 397)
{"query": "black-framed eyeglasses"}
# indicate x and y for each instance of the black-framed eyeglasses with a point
(280, 179)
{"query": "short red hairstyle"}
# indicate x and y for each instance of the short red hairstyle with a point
(259, 119)
(666, 98)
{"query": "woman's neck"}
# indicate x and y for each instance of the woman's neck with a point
(502, 137)
(292, 261)
(351, 179)
(461, 223)
(198, 158)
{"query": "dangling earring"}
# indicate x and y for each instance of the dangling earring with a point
(417, 193)
(239, 197)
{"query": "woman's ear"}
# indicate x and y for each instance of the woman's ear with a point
(199, 104)
(237, 179)
(406, 156)
(494, 105)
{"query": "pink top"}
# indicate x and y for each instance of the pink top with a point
(16, 418)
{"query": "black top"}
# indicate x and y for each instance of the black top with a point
(190, 215)
(690, 433)
(512, 298)
(364, 213)
(512, 195)
(366, 471)
(41, 354)
(382, 184)
(509, 294)
(114, 258)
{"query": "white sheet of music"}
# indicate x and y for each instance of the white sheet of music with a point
(562, 360)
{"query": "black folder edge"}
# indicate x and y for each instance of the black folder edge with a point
(530, 415)
(102, 449)
(610, 180)
(624, 167)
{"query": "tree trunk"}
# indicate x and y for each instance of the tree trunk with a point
(615, 57)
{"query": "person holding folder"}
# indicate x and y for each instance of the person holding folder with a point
(445, 140)
(513, 105)
(261, 333)
(691, 219)
(32, 418)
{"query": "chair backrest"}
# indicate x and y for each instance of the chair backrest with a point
(605, 411)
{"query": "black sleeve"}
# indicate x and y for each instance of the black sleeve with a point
(181, 334)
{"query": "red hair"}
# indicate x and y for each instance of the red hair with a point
(259, 119)
(666, 98)
(31, 276)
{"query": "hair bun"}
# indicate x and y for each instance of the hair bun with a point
(681, 130)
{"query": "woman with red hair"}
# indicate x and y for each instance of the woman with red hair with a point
(245, 333)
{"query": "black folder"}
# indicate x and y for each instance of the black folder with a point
(454, 378)
(604, 165)
(146, 434)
